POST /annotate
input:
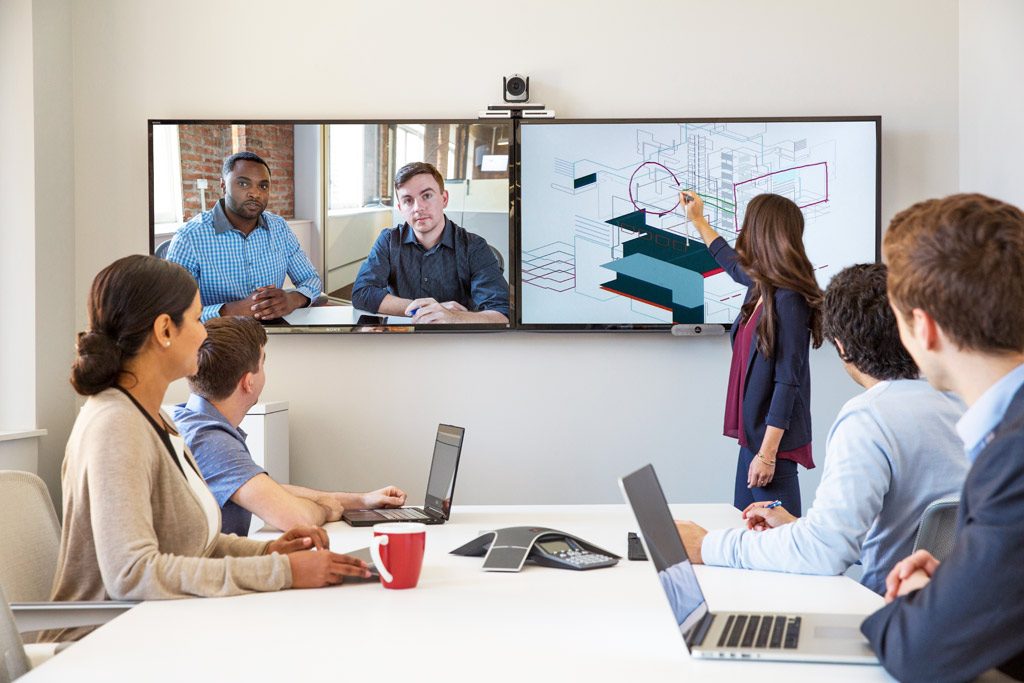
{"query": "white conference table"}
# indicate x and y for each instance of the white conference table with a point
(464, 624)
(338, 315)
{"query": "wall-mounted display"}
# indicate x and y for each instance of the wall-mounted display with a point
(605, 243)
(526, 224)
(322, 216)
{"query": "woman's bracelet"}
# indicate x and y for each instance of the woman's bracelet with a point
(765, 460)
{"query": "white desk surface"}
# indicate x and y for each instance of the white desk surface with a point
(464, 624)
(336, 315)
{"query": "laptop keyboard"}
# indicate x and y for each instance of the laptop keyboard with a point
(402, 513)
(764, 631)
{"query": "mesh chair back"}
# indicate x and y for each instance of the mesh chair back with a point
(937, 532)
(13, 661)
(29, 537)
(498, 256)
(161, 249)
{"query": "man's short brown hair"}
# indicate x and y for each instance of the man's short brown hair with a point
(232, 348)
(961, 260)
(418, 168)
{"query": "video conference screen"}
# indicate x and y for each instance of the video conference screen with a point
(333, 183)
(597, 240)
(604, 241)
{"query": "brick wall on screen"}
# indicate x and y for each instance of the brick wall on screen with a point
(204, 147)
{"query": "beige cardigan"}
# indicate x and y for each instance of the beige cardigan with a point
(133, 528)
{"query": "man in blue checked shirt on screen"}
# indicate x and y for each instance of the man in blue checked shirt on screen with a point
(239, 253)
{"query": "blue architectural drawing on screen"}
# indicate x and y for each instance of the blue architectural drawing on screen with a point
(604, 239)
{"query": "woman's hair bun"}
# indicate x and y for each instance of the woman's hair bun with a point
(98, 363)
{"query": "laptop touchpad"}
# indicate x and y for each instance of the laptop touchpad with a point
(836, 633)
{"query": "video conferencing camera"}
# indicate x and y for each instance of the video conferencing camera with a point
(516, 88)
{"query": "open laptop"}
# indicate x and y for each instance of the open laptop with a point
(440, 487)
(833, 638)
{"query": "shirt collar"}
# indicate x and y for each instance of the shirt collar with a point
(447, 235)
(198, 404)
(980, 421)
(222, 224)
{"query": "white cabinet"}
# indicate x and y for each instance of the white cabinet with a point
(266, 428)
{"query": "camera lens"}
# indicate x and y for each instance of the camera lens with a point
(516, 86)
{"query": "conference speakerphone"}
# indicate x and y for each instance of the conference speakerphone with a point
(508, 549)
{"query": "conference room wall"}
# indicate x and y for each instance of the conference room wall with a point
(991, 103)
(549, 417)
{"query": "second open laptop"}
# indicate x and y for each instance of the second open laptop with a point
(440, 486)
(833, 638)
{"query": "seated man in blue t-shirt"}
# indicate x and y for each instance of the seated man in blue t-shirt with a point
(891, 451)
(429, 268)
(227, 384)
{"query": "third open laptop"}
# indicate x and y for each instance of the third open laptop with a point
(834, 638)
(440, 486)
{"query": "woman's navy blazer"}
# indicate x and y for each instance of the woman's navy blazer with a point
(777, 390)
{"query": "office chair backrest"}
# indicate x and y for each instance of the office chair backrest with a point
(498, 256)
(29, 537)
(937, 532)
(13, 660)
(161, 249)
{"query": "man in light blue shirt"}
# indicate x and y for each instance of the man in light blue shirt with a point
(891, 451)
(239, 253)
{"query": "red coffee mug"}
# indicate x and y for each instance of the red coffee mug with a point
(397, 552)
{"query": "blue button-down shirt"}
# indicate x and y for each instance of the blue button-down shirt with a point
(230, 266)
(223, 458)
(980, 421)
(460, 267)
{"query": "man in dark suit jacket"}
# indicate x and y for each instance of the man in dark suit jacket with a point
(956, 283)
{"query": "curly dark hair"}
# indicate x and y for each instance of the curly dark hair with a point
(856, 312)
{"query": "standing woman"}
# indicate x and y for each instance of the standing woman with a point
(768, 405)
(139, 521)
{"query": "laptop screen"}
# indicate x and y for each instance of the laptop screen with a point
(441, 484)
(665, 548)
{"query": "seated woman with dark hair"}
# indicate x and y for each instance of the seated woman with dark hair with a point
(139, 521)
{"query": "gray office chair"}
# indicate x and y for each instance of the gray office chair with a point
(30, 539)
(497, 255)
(13, 660)
(937, 532)
(161, 249)
(29, 535)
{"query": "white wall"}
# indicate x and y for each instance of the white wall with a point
(17, 239)
(991, 98)
(37, 308)
(549, 417)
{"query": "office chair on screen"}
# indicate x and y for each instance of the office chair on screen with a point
(30, 538)
(937, 532)
(13, 660)
(498, 256)
(161, 249)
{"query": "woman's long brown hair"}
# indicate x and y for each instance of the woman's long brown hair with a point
(771, 250)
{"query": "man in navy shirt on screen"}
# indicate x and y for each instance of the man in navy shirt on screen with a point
(429, 268)
(228, 383)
